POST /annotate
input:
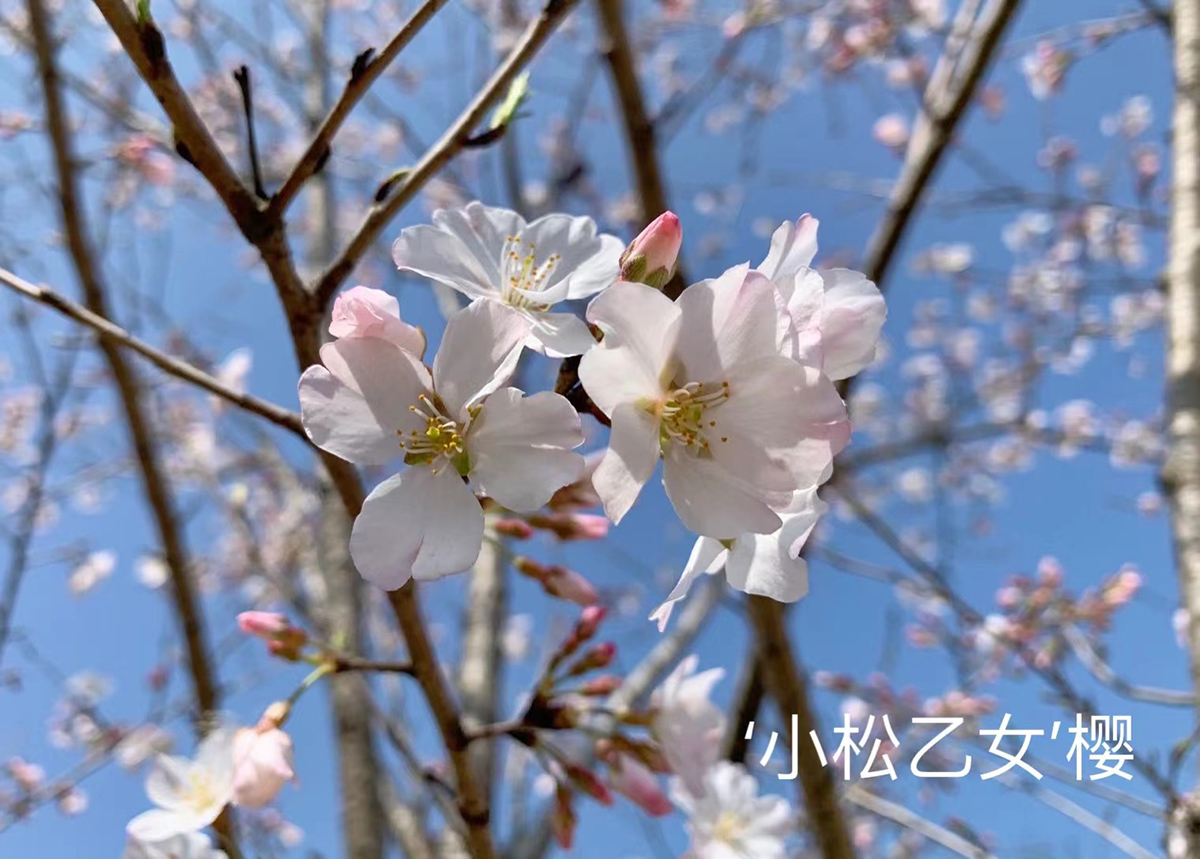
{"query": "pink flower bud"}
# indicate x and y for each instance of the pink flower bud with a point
(264, 624)
(564, 819)
(569, 585)
(600, 656)
(605, 684)
(630, 778)
(590, 783)
(572, 526)
(365, 312)
(262, 765)
(651, 257)
(590, 621)
(517, 529)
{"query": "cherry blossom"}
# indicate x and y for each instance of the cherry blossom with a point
(365, 312)
(689, 727)
(187, 845)
(763, 564)
(262, 759)
(372, 401)
(700, 382)
(190, 794)
(728, 818)
(526, 268)
(829, 318)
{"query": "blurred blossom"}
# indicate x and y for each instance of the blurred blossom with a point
(96, 567)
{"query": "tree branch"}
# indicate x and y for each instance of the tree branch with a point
(114, 333)
(362, 77)
(450, 144)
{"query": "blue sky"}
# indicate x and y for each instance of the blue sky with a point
(1078, 510)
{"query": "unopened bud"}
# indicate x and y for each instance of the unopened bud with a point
(600, 656)
(605, 684)
(590, 783)
(651, 257)
(283, 639)
(517, 529)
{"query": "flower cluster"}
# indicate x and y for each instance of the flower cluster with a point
(246, 767)
(731, 386)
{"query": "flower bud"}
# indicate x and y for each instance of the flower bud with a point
(365, 312)
(264, 624)
(630, 778)
(651, 257)
(262, 765)
(599, 656)
(587, 781)
(517, 529)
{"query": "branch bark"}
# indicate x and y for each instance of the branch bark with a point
(1181, 473)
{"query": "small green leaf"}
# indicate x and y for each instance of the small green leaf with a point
(143, 12)
(518, 91)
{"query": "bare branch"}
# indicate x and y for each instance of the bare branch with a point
(910, 820)
(451, 143)
(114, 333)
(362, 77)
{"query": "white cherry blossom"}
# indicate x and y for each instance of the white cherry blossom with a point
(831, 318)
(701, 383)
(762, 564)
(189, 794)
(493, 254)
(689, 727)
(188, 845)
(372, 402)
(729, 820)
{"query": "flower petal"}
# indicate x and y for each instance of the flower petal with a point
(851, 320)
(640, 327)
(560, 335)
(726, 321)
(354, 408)
(710, 500)
(417, 524)
(158, 825)
(462, 249)
(522, 448)
(478, 353)
(629, 461)
(792, 247)
(708, 556)
(587, 262)
(779, 427)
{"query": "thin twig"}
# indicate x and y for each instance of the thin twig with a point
(450, 144)
(242, 75)
(114, 333)
(364, 74)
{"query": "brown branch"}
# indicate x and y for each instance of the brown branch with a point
(946, 101)
(362, 77)
(154, 482)
(786, 683)
(450, 144)
(114, 333)
(145, 46)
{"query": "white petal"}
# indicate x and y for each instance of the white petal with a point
(560, 335)
(629, 461)
(640, 327)
(165, 782)
(852, 318)
(522, 448)
(478, 353)
(708, 556)
(588, 262)
(214, 756)
(354, 408)
(801, 300)
(462, 249)
(770, 564)
(711, 501)
(417, 524)
(159, 825)
(764, 432)
(792, 247)
(725, 322)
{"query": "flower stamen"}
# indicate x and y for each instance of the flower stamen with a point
(441, 440)
(522, 273)
(683, 414)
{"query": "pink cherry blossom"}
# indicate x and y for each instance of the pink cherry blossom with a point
(365, 312)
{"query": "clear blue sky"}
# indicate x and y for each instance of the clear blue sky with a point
(1078, 510)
